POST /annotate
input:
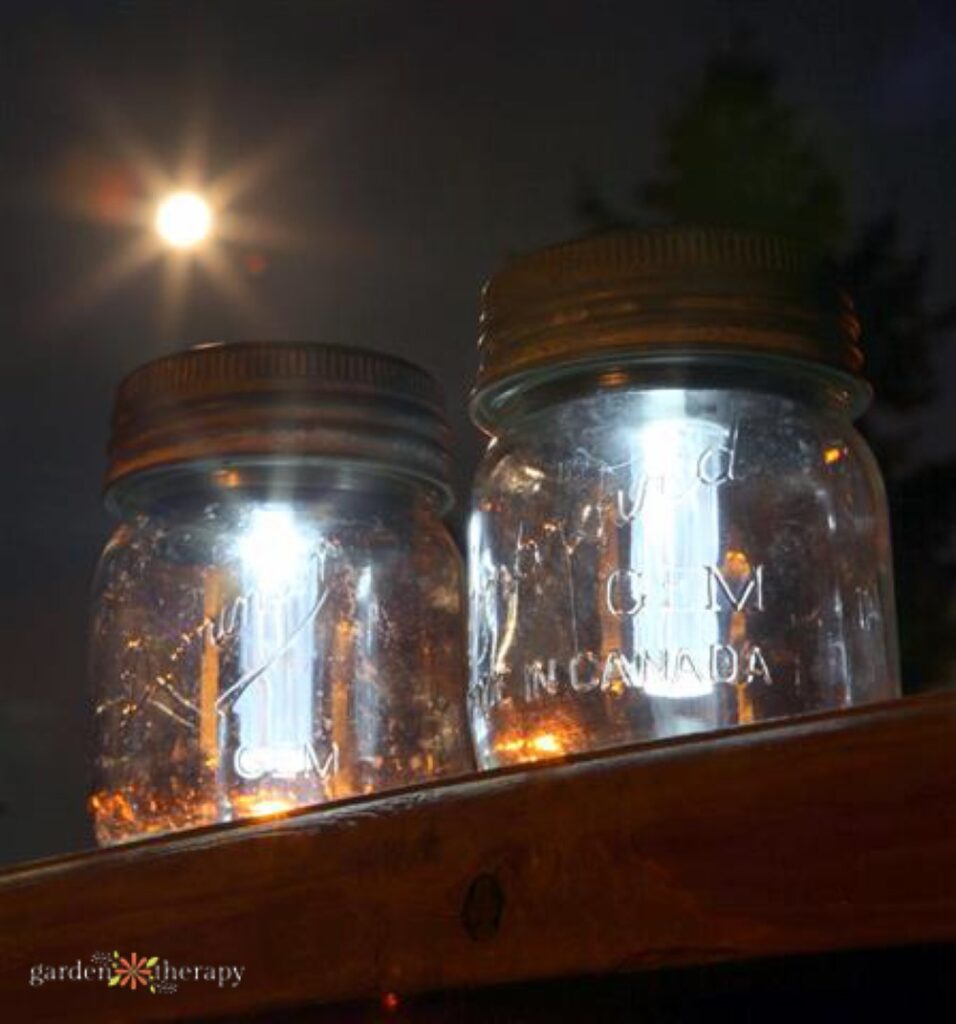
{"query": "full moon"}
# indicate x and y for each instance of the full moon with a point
(183, 219)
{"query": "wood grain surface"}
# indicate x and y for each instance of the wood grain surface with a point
(829, 833)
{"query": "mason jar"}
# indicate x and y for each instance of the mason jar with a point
(676, 527)
(277, 619)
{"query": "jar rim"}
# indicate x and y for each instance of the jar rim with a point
(491, 406)
(268, 477)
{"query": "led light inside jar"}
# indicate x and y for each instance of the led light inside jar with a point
(268, 711)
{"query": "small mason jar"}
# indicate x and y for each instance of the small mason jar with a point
(676, 527)
(278, 618)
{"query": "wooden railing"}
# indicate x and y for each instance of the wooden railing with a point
(828, 833)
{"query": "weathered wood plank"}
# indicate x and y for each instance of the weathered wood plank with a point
(834, 832)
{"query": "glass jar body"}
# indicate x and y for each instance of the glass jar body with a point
(257, 647)
(649, 561)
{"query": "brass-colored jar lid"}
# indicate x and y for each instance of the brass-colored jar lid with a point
(249, 401)
(688, 292)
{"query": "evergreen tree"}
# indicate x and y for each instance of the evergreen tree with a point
(735, 156)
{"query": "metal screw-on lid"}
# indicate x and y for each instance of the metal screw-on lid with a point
(678, 291)
(248, 400)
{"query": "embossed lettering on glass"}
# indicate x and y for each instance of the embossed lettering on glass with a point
(278, 618)
(676, 527)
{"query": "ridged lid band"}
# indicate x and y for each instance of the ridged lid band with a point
(682, 291)
(254, 400)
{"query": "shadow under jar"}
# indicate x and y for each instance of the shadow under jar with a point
(278, 618)
(676, 527)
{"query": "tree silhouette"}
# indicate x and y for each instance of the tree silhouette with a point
(900, 338)
(736, 155)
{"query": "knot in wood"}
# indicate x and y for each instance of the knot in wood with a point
(484, 904)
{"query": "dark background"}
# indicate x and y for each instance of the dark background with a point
(377, 161)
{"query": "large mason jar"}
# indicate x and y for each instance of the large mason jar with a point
(676, 527)
(278, 617)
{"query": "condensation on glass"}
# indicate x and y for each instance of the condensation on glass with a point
(676, 527)
(278, 618)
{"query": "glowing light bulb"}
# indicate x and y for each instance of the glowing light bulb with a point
(547, 743)
(267, 808)
(832, 455)
(532, 748)
(183, 219)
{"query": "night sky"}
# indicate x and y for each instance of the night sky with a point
(382, 159)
